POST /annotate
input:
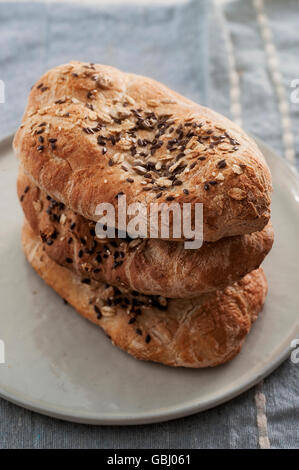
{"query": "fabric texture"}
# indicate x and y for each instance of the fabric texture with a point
(239, 58)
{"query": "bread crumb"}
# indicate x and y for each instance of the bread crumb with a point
(237, 169)
(237, 193)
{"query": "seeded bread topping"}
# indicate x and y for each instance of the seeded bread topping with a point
(129, 134)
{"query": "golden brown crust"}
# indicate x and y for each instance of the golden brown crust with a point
(77, 112)
(154, 267)
(202, 332)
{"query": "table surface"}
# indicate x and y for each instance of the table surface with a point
(239, 58)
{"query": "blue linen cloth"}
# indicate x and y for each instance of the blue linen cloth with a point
(220, 57)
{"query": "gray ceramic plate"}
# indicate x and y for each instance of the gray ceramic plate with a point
(60, 365)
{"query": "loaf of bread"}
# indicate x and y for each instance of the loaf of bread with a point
(150, 266)
(91, 132)
(206, 331)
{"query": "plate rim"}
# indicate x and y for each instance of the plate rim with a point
(146, 417)
(173, 412)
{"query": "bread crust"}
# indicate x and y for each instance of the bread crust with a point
(202, 332)
(151, 266)
(92, 131)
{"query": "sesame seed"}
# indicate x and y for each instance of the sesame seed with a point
(221, 164)
(116, 264)
(148, 338)
(98, 312)
(87, 130)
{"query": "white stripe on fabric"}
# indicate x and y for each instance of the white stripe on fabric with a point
(234, 80)
(261, 417)
(276, 76)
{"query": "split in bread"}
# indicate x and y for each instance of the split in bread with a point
(149, 266)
